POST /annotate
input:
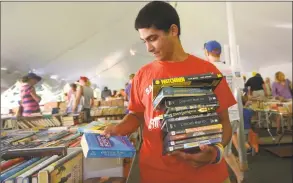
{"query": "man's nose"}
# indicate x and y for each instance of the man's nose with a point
(149, 47)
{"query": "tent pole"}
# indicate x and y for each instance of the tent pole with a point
(234, 65)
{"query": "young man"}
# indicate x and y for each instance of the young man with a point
(213, 52)
(159, 28)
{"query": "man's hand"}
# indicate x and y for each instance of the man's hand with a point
(206, 156)
(110, 130)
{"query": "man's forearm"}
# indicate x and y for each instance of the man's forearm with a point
(129, 124)
(227, 133)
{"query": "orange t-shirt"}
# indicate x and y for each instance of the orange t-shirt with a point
(154, 167)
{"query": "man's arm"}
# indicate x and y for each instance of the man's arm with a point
(265, 89)
(227, 130)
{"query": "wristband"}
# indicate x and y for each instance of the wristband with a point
(220, 152)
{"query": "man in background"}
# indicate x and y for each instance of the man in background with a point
(256, 86)
(213, 52)
(106, 93)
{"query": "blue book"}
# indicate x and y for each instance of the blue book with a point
(18, 168)
(99, 146)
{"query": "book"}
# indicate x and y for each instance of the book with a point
(190, 107)
(23, 178)
(18, 168)
(191, 147)
(206, 99)
(189, 112)
(5, 165)
(170, 92)
(170, 137)
(196, 129)
(95, 127)
(189, 140)
(208, 80)
(34, 152)
(190, 123)
(67, 169)
(98, 146)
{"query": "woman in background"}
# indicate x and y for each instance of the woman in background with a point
(281, 90)
(29, 98)
(71, 96)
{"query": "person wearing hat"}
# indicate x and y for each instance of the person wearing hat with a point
(213, 52)
(29, 99)
(85, 91)
(256, 86)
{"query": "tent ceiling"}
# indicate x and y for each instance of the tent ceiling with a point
(70, 39)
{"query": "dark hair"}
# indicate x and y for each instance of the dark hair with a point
(73, 85)
(157, 14)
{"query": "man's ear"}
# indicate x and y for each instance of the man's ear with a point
(174, 30)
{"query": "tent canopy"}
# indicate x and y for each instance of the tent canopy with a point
(94, 39)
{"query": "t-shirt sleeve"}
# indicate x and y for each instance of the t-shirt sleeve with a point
(223, 93)
(135, 102)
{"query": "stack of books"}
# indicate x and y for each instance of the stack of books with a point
(189, 107)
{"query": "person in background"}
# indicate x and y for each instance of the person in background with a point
(128, 87)
(29, 98)
(72, 97)
(256, 86)
(158, 25)
(85, 91)
(106, 93)
(213, 52)
(114, 94)
(268, 86)
(247, 115)
(281, 90)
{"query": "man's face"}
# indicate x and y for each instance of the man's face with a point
(158, 42)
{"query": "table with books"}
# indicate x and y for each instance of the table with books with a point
(62, 154)
(269, 107)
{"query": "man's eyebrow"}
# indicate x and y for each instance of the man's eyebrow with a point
(148, 37)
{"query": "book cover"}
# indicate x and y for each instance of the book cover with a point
(67, 169)
(206, 99)
(190, 123)
(199, 133)
(18, 168)
(190, 147)
(171, 92)
(190, 107)
(98, 146)
(189, 140)
(190, 112)
(196, 129)
(94, 127)
(209, 80)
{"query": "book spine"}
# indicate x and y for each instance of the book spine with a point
(40, 166)
(206, 99)
(194, 134)
(10, 163)
(196, 129)
(193, 144)
(183, 141)
(174, 126)
(190, 112)
(189, 118)
(190, 107)
(18, 168)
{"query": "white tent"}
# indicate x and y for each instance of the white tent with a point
(94, 39)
